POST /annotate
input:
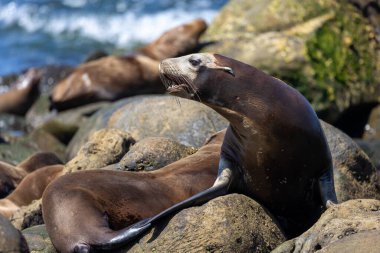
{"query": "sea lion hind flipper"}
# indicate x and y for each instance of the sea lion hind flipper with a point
(326, 187)
(127, 235)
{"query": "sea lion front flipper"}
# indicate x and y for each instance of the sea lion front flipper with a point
(326, 187)
(220, 187)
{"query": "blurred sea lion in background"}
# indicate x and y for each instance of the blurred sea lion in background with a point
(10, 175)
(114, 77)
(30, 188)
(22, 94)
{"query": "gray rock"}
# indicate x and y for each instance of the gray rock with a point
(11, 240)
(338, 222)
(153, 153)
(38, 240)
(186, 121)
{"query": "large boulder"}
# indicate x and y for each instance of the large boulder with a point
(182, 120)
(38, 239)
(233, 223)
(354, 174)
(325, 48)
(354, 217)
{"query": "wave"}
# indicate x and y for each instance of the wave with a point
(120, 29)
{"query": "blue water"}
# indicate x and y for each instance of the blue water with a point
(39, 32)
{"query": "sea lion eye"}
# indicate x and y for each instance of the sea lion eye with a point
(195, 62)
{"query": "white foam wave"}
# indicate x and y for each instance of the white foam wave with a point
(119, 29)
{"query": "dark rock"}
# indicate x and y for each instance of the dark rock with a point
(372, 129)
(354, 174)
(12, 127)
(372, 149)
(232, 223)
(11, 240)
(28, 216)
(97, 54)
(185, 121)
(52, 74)
(338, 222)
(154, 153)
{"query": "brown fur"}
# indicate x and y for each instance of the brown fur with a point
(10, 176)
(86, 207)
(114, 77)
(19, 99)
(30, 188)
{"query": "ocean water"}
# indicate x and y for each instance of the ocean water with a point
(40, 32)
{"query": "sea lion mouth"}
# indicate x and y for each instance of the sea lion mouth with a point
(175, 83)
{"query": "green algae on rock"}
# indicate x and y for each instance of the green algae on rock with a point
(324, 48)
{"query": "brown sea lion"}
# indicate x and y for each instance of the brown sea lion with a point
(274, 149)
(84, 208)
(114, 77)
(22, 94)
(10, 175)
(30, 188)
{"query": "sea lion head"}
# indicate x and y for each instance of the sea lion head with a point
(198, 76)
(177, 41)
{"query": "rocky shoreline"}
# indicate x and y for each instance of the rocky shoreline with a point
(329, 50)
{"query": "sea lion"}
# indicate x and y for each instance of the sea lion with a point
(274, 150)
(30, 188)
(110, 200)
(10, 175)
(22, 93)
(114, 77)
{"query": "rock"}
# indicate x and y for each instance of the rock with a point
(105, 147)
(325, 48)
(367, 242)
(62, 125)
(338, 222)
(354, 174)
(38, 240)
(232, 223)
(372, 128)
(12, 127)
(11, 240)
(186, 121)
(28, 216)
(372, 149)
(52, 74)
(30, 144)
(153, 153)
(95, 55)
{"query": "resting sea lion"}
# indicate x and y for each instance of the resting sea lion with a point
(114, 77)
(30, 188)
(10, 175)
(22, 94)
(83, 209)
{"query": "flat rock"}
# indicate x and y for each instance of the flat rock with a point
(339, 222)
(38, 240)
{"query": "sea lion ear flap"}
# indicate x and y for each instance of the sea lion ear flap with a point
(225, 69)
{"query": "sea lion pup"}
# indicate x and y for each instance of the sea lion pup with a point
(274, 149)
(30, 188)
(10, 175)
(114, 77)
(84, 210)
(22, 94)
